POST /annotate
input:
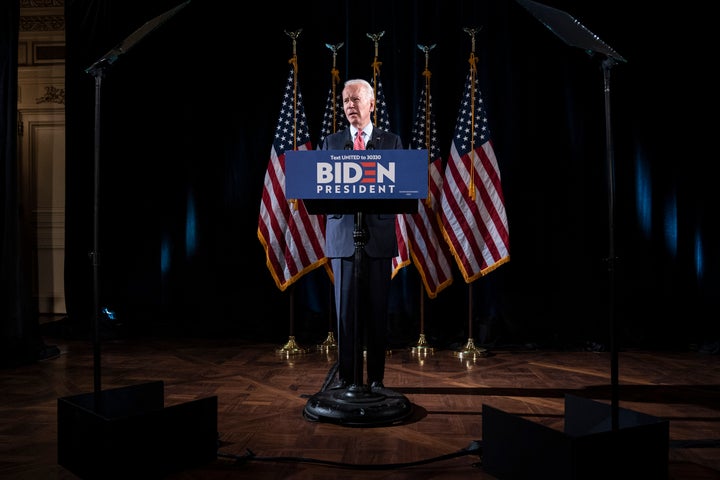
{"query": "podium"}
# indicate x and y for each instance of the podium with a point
(357, 183)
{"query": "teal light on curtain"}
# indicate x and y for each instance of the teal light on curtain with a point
(190, 227)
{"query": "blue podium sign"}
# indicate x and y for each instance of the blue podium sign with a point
(356, 174)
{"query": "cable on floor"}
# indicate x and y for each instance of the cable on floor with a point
(473, 449)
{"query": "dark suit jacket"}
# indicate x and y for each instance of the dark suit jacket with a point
(339, 241)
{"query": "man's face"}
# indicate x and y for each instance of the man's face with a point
(357, 107)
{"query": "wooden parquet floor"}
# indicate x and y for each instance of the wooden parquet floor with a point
(263, 389)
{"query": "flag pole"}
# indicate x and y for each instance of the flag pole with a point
(422, 348)
(470, 350)
(375, 37)
(330, 344)
(291, 347)
(334, 81)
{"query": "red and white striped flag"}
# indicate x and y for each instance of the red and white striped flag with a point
(333, 116)
(473, 215)
(294, 240)
(333, 112)
(381, 118)
(402, 259)
(427, 248)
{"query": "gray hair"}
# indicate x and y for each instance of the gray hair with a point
(368, 90)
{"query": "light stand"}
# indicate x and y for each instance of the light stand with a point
(119, 432)
(97, 70)
(575, 34)
(593, 444)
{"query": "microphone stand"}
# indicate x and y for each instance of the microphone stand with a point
(360, 237)
(357, 404)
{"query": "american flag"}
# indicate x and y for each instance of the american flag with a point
(427, 247)
(402, 259)
(382, 117)
(333, 117)
(294, 240)
(473, 215)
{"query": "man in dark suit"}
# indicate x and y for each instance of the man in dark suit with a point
(380, 246)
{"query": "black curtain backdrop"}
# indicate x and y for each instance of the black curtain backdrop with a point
(14, 295)
(189, 114)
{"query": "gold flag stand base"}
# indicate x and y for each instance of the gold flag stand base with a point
(471, 351)
(329, 344)
(291, 347)
(422, 347)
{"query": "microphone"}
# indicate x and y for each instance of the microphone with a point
(370, 146)
(348, 145)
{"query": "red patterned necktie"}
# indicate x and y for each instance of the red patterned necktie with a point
(359, 142)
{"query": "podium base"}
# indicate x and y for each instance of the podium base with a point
(358, 406)
(588, 449)
(129, 431)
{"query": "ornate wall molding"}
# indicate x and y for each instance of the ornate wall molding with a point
(41, 3)
(42, 15)
(42, 23)
(52, 95)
